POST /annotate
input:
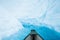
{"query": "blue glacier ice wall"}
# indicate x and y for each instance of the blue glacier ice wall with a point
(45, 32)
(19, 17)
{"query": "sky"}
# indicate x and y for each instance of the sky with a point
(12, 10)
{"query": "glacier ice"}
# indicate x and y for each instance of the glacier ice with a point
(18, 17)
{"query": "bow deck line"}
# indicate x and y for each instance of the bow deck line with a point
(33, 35)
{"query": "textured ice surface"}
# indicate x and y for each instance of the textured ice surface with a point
(18, 17)
(46, 33)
